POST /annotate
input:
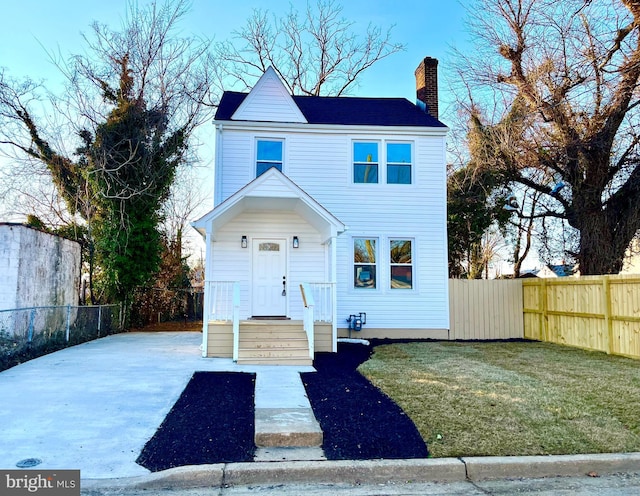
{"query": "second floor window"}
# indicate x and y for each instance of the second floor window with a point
(365, 162)
(268, 154)
(398, 163)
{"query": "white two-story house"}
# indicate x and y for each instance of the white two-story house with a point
(329, 215)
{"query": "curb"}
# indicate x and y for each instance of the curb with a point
(505, 467)
(376, 471)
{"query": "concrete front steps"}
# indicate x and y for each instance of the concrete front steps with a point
(268, 342)
(285, 426)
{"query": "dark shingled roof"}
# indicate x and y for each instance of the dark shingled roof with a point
(344, 110)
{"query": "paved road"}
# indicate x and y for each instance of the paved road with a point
(619, 484)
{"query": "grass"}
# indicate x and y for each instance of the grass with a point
(512, 398)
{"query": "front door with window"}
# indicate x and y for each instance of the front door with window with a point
(269, 278)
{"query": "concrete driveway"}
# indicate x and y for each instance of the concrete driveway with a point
(93, 406)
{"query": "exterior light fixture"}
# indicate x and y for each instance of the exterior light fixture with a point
(296, 242)
(243, 242)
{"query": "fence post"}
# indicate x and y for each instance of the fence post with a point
(545, 316)
(99, 319)
(608, 323)
(121, 318)
(32, 318)
(68, 321)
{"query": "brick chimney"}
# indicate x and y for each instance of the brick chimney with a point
(427, 86)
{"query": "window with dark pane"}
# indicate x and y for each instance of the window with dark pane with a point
(364, 263)
(268, 154)
(401, 259)
(398, 163)
(365, 162)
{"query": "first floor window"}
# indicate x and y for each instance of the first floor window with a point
(365, 162)
(268, 154)
(364, 263)
(401, 262)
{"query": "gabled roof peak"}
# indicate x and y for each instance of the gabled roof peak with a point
(269, 100)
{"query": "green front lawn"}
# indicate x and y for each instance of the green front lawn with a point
(513, 398)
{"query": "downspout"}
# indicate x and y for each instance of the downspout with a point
(445, 246)
(217, 188)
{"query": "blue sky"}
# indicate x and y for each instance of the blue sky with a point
(31, 28)
(426, 27)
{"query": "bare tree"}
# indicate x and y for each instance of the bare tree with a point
(186, 199)
(131, 107)
(317, 53)
(565, 77)
(520, 229)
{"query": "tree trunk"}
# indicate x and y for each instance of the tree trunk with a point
(601, 249)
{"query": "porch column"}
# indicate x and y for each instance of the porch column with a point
(334, 294)
(207, 291)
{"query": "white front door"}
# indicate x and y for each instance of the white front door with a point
(269, 278)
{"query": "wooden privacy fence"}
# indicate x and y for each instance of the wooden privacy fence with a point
(593, 312)
(485, 309)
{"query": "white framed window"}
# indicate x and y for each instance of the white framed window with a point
(365, 257)
(365, 161)
(269, 153)
(385, 161)
(400, 263)
(399, 163)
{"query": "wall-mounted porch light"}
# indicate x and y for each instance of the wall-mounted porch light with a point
(296, 242)
(243, 242)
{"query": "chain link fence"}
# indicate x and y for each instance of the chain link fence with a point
(26, 333)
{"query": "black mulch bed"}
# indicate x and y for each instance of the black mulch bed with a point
(212, 422)
(359, 422)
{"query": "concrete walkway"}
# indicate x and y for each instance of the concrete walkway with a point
(94, 406)
(285, 427)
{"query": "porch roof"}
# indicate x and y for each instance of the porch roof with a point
(272, 191)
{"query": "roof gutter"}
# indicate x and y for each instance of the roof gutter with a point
(333, 128)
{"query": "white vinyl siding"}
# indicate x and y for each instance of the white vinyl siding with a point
(270, 103)
(321, 163)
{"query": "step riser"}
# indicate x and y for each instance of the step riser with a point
(243, 354)
(288, 440)
(287, 427)
(271, 345)
(273, 333)
(275, 361)
(289, 454)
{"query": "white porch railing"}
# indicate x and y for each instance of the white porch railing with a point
(224, 305)
(323, 295)
(319, 306)
(220, 300)
(308, 319)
